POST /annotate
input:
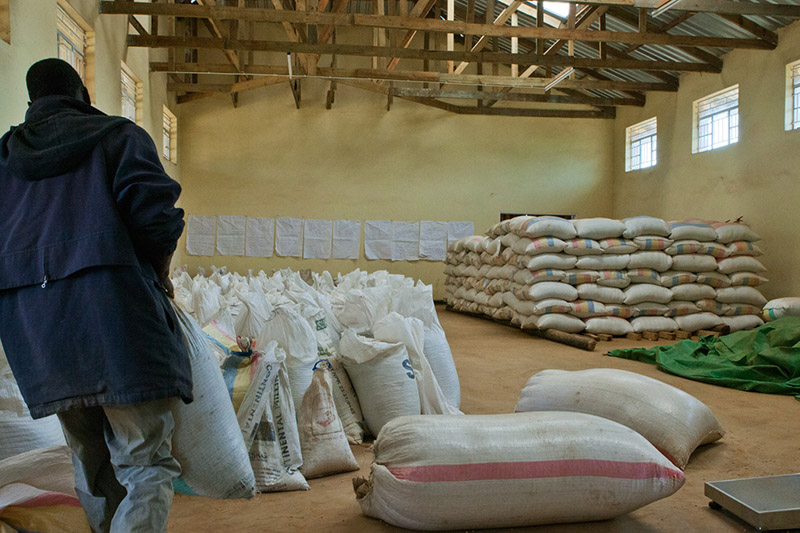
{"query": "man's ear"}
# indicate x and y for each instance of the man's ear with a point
(86, 97)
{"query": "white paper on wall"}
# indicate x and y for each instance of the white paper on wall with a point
(200, 235)
(230, 235)
(378, 239)
(433, 240)
(459, 230)
(259, 238)
(289, 236)
(317, 235)
(405, 241)
(346, 239)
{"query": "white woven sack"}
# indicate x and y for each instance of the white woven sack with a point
(740, 263)
(781, 307)
(658, 261)
(207, 441)
(418, 303)
(748, 295)
(294, 335)
(691, 230)
(646, 292)
(551, 289)
(609, 325)
(672, 278)
(598, 228)
(714, 279)
(727, 233)
(322, 438)
(21, 433)
(509, 239)
(561, 322)
(538, 262)
(592, 291)
(675, 422)
(693, 291)
(344, 395)
(644, 225)
(738, 323)
(361, 308)
(681, 308)
(618, 245)
(698, 321)
(206, 298)
(653, 323)
(276, 454)
(694, 262)
(512, 470)
(603, 262)
(650, 309)
(546, 227)
(411, 332)
(383, 378)
(652, 242)
(255, 311)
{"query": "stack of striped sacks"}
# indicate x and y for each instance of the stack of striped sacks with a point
(605, 276)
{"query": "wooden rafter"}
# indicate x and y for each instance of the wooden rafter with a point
(414, 24)
(477, 35)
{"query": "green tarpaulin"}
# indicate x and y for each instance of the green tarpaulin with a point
(765, 359)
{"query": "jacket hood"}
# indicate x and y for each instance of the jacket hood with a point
(58, 133)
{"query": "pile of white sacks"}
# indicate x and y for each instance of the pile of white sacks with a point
(360, 350)
(601, 275)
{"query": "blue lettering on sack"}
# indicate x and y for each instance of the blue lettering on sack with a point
(407, 366)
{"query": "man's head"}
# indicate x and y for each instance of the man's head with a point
(50, 77)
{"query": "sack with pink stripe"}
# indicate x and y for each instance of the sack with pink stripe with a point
(674, 421)
(514, 470)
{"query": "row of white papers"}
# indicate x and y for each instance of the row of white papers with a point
(322, 239)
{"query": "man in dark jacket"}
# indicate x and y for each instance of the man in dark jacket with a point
(88, 225)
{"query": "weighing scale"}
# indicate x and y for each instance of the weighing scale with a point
(769, 502)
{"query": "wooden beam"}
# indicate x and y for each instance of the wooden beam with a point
(708, 6)
(136, 25)
(683, 17)
(756, 29)
(408, 75)
(515, 97)
(410, 53)
(414, 24)
(420, 10)
(484, 40)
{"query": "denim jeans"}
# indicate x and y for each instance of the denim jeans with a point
(123, 464)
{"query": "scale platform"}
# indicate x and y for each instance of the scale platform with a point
(769, 502)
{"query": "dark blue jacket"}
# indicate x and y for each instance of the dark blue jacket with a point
(86, 211)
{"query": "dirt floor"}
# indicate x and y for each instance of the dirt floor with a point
(494, 362)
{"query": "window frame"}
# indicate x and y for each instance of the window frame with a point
(138, 96)
(713, 119)
(792, 114)
(633, 136)
(169, 136)
(88, 76)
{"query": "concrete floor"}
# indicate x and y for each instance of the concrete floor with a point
(494, 362)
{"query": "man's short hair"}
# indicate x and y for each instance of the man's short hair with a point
(52, 76)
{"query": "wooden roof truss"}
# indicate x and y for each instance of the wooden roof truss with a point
(489, 57)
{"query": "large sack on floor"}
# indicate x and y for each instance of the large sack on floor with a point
(781, 307)
(382, 376)
(294, 336)
(359, 309)
(258, 385)
(18, 431)
(344, 396)
(37, 492)
(207, 441)
(411, 332)
(513, 470)
(673, 421)
(322, 438)
(418, 303)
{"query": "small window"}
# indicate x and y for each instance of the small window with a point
(131, 95)
(640, 145)
(169, 131)
(793, 96)
(71, 42)
(716, 120)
